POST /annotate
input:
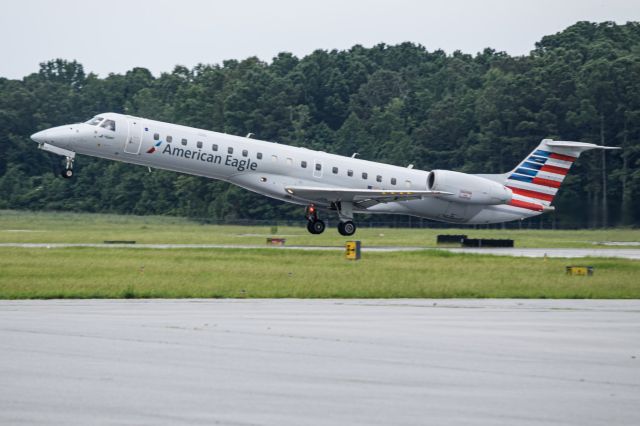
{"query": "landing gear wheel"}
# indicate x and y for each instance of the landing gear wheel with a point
(316, 226)
(67, 173)
(347, 228)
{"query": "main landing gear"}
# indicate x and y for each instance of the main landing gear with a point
(346, 226)
(314, 225)
(67, 173)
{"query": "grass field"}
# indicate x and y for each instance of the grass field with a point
(122, 273)
(27, 227)
(259, 273)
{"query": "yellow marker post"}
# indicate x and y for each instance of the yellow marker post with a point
(579, 270)
(352, 250)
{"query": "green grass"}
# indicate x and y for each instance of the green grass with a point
(262, 273)
(29, 227)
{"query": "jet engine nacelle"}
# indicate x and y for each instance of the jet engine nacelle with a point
(468, 189)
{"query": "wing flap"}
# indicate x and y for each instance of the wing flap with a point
(358, 195)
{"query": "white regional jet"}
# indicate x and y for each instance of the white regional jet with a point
(320, 180)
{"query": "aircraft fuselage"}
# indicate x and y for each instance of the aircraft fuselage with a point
(278, 170)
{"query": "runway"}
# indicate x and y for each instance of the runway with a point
(623, 253)
(553, 252)
(318, 362)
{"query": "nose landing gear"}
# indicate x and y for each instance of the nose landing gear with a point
(67, 173)
(314, 225)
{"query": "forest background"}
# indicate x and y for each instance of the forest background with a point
(399, 104)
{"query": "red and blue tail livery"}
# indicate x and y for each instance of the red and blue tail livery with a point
(536, 180)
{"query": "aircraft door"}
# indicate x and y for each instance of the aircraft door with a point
(134, 139)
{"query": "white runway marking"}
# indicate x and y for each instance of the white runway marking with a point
(308, 362)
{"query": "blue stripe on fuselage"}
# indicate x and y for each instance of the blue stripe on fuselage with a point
(542, 153)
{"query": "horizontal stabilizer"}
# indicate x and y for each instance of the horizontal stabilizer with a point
(577, 146)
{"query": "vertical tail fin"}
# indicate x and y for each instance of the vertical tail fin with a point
(536, 180)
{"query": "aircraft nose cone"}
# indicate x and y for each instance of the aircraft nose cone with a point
(39, 137)
(57, 136)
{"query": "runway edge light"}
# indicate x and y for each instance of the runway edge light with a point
(352, 250)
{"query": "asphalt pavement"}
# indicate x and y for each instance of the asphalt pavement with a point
(319, 362)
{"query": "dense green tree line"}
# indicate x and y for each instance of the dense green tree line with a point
(398, 104)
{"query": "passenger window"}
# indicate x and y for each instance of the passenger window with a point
(378, 178)
(407, 183)
(335, 170)
(184, 141)
(245, 153)
(230, 150)
(259, 156)
(350, 173)
(364, 175)
(289, 161)
(318, 166)
(303, 164)
(274, 158)
(156, 137)
(199, 145)
(214, 147)
(109, 125)
(169, 139)
(393, 181)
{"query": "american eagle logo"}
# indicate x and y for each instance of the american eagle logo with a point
(153, 148)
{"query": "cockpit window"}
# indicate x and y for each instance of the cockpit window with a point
(95, 121)
(109, 125)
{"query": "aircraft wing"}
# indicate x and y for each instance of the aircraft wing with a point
(359, 196)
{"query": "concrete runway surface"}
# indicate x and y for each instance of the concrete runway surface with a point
(320, 362)
(553, 252)
(623, 253)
